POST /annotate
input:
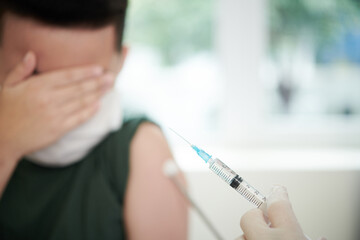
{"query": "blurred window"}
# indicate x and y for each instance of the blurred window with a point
(313, 65)
(237, 72)
(171, 73)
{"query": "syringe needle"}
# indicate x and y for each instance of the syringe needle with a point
(205, 156)
(181, 136)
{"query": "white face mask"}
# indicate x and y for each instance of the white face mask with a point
(73, 146)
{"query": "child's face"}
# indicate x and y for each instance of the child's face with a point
(56, 47)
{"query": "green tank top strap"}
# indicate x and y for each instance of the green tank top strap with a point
(116, 147)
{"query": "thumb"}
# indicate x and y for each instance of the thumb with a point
(22, 70)
(279, 208)
(242, 237)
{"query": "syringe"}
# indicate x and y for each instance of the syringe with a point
(230, 177)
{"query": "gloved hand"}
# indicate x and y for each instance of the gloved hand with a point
(284, 225)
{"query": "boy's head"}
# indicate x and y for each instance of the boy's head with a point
(62, 33)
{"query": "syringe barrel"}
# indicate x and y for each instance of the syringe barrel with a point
(222, 170)
(248, 192)
(238, 183)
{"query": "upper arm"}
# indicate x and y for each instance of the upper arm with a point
(154, 208)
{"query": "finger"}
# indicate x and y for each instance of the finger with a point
(22, 70)
(86, 87)
(322, 238)
(242, 237)
(85, 101)
(279, 209)
(62, 78)
(253, 224)
(80, 117)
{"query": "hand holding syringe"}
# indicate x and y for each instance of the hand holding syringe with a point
(236, 182)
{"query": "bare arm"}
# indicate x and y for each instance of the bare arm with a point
(154, 209)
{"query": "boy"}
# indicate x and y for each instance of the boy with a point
(58, 62)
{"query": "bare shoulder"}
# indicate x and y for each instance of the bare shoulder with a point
(149, 143)
(154, 209)
(148, 133)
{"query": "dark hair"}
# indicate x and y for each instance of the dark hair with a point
(71, 13)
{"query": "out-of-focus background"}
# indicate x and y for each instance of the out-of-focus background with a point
(271, 87)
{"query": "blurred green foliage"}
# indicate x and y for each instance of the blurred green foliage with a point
(177, 28)
(323, 19)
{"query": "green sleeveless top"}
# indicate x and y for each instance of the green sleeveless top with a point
(81, 201)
